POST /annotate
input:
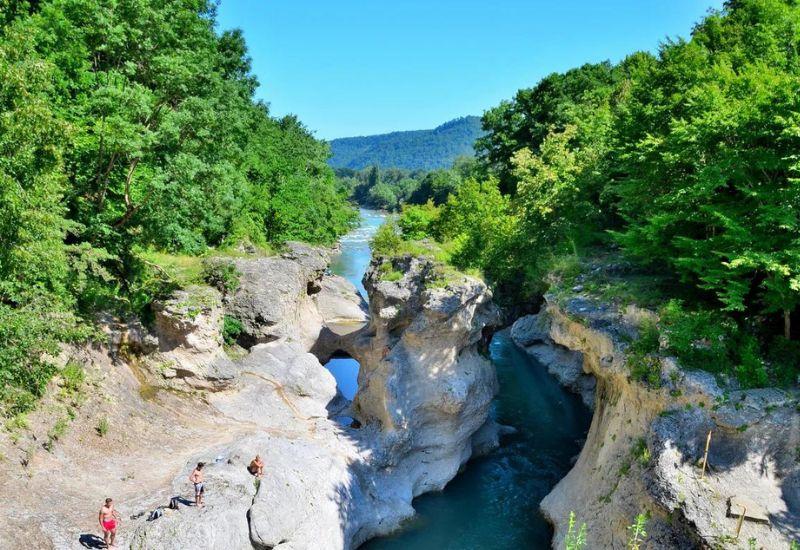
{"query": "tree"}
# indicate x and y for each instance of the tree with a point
(127, 125)
(525, 121)
(35, 268)
(382, 196)
(708, 142)
(417, 222)
(436, 185)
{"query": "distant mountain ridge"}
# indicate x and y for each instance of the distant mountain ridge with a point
(412, 150)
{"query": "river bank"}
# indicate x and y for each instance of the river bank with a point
(408, 455)
(504, 488)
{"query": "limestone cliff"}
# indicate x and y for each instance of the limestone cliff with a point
(422, 407)
(645, 446)
(422, 381)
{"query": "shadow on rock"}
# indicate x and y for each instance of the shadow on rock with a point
(91, 541)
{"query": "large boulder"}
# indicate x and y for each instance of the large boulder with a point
(422, 378)
(273, 299)
(190, 321)
(222, 523)
(188, 326)
(339, 303)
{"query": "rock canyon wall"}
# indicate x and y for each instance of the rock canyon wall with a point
(645, 447)
(424, 393)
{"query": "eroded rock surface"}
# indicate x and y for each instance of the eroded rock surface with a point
(422, 379)
(423, 405)
(531, 333)
(645, 445)
(343, 312)
(274, 297)
(189, 331)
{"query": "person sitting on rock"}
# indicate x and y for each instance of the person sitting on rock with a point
(196, 477)
(108, 518)
(256, 467)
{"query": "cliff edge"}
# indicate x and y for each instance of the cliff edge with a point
(645, 448)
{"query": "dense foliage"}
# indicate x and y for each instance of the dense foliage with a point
(413, 150)
(685, 161)
(127, 125)
(391, 188)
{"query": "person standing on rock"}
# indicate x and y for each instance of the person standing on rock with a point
(196, 477)
(108, 518)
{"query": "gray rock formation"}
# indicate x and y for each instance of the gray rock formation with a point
(190, 322)
(422, 380)
(423, 404)
(274, 297)
(343, 312)
(645, 446)
(529, 330)
(189, 331)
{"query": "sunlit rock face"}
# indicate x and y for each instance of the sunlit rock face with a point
(421, 410)
(274, 298)
(645, 446)
(422, 379)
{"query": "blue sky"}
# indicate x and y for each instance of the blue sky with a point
(359, 67)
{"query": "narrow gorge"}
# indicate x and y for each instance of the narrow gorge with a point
(437, 430)
(258, 293)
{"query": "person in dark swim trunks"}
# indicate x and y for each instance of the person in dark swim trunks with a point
(256, 467)
(108, 518)
(196, 477)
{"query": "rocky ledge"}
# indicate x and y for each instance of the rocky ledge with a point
(645, 447)
(337, 473)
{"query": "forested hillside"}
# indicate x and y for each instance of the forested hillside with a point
(679, 170)
(414, 150)
(129, 127)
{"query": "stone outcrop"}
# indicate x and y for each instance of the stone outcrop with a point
(125, 337)
(287, 297)
(645, 446)
(422, 409)
(274, 296)
(189, 330)
(422, 380)
(342, 311)
(282, 392)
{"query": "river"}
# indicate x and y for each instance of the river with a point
(493, 503)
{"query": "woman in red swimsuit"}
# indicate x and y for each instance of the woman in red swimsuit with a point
(108, 521)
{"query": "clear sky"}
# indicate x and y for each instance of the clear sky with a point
(359, 67)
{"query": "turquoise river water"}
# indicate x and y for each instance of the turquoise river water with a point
(493, 503)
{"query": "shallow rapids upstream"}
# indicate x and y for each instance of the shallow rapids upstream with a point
(493, 503)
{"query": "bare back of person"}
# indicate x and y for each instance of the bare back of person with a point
(256, 466)
(197, 476)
